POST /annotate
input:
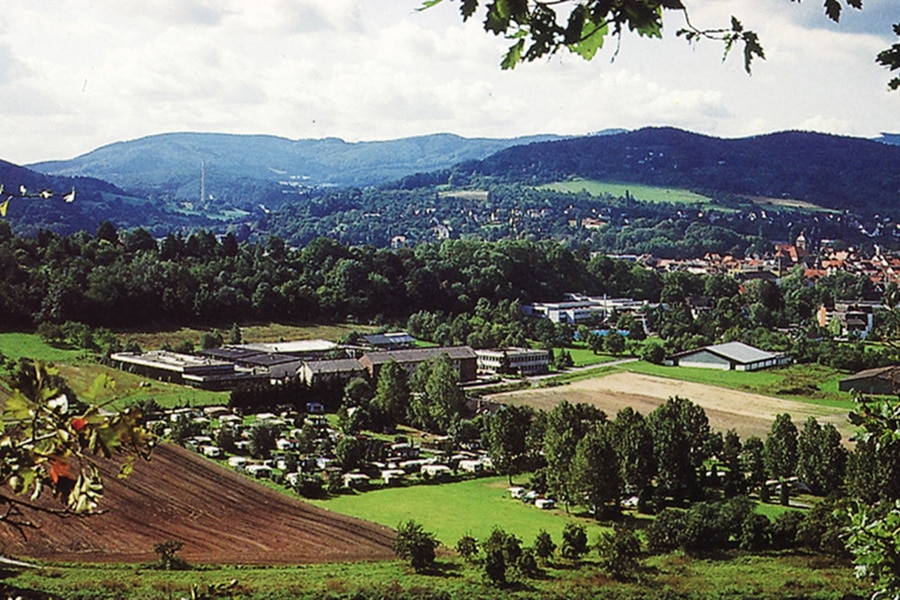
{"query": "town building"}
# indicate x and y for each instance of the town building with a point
(579, 308)
(462, 357)
(848, 319)
(185, 369)
(389, 341)
(513, 361)
(322, 371)
(881, 381)
(730, 356)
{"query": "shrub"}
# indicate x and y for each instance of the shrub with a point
(416, 545)
(168, 556)
(574, 542)
(756, 533)
(543, 545)
(663, 533)
(467, 546)
(784, 529)
(619, 552)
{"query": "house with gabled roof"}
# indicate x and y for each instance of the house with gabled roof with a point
(880, 381)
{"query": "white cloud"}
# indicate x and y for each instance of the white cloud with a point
(106, 70)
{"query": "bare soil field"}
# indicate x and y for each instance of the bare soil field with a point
(748, 414)
(220, 516)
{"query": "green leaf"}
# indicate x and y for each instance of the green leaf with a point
(513, 55)
(467, 8)
(428, 4)
(833, 10)
(752, 49)
(101, 383)
(497, 20)
(127, 468)
(591, 41)
(17, 408)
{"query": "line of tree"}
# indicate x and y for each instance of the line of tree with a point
(670, 457)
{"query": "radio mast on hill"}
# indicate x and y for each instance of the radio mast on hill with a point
(202, 182)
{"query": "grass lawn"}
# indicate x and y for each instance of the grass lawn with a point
(583, 356)
(29, 345)
(645, 193)
(733, 575)
(80, 370)
(451, 510)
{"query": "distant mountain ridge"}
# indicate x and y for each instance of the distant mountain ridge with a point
(156, 182)
(169, 165)
(828, 170)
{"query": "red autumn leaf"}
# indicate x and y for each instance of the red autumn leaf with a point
(60, 469)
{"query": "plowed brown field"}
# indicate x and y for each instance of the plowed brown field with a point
(221, 517)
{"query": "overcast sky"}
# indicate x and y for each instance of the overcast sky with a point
(76, 75)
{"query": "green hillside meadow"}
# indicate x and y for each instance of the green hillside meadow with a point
(638, 191)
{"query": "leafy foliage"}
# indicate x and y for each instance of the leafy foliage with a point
(539, 28)
(873, 538)
(574, 541)
(619, 552)
(413, 543)
(49, 443)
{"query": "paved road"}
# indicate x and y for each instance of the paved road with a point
(534, 379)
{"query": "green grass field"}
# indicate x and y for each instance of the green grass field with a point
(80, 370)
(451, 510)
(583, 356)
(19, 345)
(726, 576)
(644, 193)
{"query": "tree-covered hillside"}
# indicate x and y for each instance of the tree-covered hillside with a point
(831, 171)
(95, 201)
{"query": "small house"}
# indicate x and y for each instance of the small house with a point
(356, 481)
(238, 462)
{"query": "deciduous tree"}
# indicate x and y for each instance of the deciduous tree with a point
(505, 435)
(780, 452)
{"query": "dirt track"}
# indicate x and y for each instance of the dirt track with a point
(748, 414)
(220, 516)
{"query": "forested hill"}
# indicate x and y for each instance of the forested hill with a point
(831, 171)
(95, 201)
(168, 166)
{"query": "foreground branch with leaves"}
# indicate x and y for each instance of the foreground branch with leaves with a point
(540, 28)
(51, 442)
(873, 535)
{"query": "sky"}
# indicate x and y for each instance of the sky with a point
(79, 74)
